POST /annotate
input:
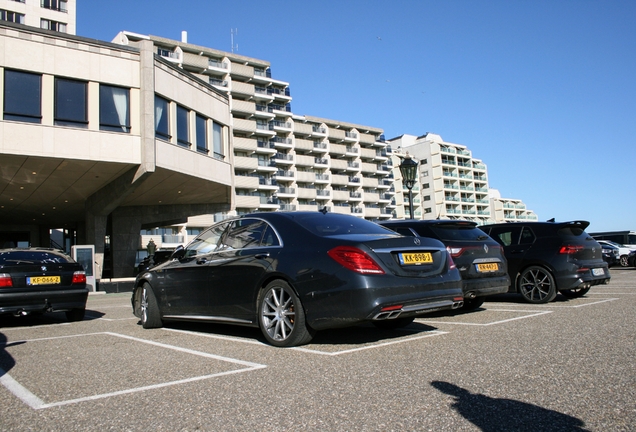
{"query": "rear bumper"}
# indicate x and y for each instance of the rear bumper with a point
(576, 279)
(366, 298)
(43, 301)
(485, 286)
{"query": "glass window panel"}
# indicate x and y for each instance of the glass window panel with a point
(202, 134)
(70, 102)
(183, 135)
(217, 139)
(114, 108)
(22, 96)
(162, 129)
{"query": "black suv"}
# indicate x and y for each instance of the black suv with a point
(478, 257)
(549, 257)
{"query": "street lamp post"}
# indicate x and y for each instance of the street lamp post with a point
(408, 168)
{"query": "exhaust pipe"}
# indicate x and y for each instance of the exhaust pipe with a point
(457, 304)
(470, 295)
(20, 312)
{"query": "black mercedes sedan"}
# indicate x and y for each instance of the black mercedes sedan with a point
(546, 258)
(294, 273)
(478, 257)
(38, 280)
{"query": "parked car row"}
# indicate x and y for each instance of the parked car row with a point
(294, 273)
(620, 252)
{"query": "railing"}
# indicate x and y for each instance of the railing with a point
(318, 129)
(351, 135)
(283, 173)
(287, 190)
(322, 176)
(287, 207)
(321, 161)
(217, 64)
(320, 145)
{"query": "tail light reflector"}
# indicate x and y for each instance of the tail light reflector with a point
(355, 259)
(570, 249)
(391, 308)
(79, 277)
(451, 263)
(5, 280)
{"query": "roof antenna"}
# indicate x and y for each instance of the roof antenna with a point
(233, 32)
(324, 210)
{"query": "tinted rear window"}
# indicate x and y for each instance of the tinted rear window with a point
(331, 224)
(455, 232)
(30, 257)
(572, 231)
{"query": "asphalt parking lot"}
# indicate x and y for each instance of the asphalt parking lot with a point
(568, 365)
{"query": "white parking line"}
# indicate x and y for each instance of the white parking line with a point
(533, 314)
(308, 350)
(36, 403)
(584, 305)
(378, 345)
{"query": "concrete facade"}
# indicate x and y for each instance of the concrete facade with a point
(57, 15)
(100, 185)
(282, 160)
(451, 184)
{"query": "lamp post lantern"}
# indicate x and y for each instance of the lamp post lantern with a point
(408, 168)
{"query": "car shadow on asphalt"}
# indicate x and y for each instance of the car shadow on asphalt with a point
(355, 335)
(496, 414)
(37, 319)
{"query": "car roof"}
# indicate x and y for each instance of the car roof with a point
(428, 222)
(577, 223)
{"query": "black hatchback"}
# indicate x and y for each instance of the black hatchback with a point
(478, 257)
(545, 258)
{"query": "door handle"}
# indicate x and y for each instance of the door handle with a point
(261, 256)
(202, 260)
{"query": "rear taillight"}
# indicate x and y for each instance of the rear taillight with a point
(451, 263)
(79, 277)
(455, 251)
(5, 280)
(355, 259)
(570, 249)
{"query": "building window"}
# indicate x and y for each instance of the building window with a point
(11, 16)
(426, 186)
(427, 198)
(52, 25)
(428, 210)
(202, 134)
(183, 132)
(58, 5)
(22, 96)
(70, 103)
(162, 126)
(114, 108)
(217, 140)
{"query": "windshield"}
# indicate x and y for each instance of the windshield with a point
(30, 257)
(456, 232)
(330, 224)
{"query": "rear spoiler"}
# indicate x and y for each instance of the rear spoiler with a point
(578, 224)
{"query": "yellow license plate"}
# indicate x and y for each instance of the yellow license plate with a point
(487, 267)
(415, 258)
(43, 280)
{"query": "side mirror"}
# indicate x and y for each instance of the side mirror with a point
(178, 253)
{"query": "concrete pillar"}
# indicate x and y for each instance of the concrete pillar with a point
(125, 240)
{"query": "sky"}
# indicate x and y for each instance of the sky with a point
(542, 91)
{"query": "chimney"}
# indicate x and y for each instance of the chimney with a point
(184, 36)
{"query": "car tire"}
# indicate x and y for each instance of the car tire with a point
(149, 309)
(575, 292)
(281, 316)
(76, 314)
(624, 261)
(536, 285)
(472, 304)
(390, 324)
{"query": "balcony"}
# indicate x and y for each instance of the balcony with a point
(284, 159)
(320, 147)
(287, 207)
(267, 183)
(322, 178)
(267, 166)
(286, 192)
(282, 175)
(263, 147)
(321, 162)
(268, 203)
